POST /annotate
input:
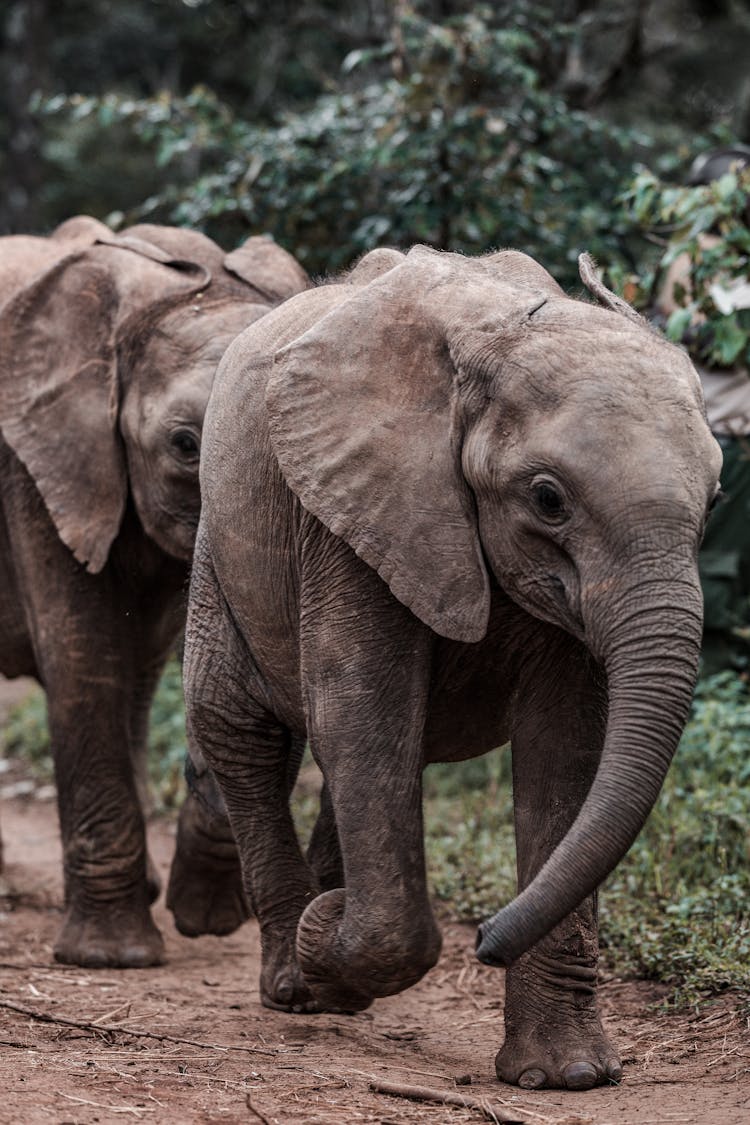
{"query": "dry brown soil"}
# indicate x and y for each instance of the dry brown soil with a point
(193, 1043)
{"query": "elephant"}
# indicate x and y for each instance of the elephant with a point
(446, 506)
(108, 347)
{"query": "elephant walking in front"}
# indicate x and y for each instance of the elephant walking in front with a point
(108, 348)
(445, 505)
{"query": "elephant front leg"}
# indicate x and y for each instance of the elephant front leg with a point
(553, 1032)
(366, 661)
(107, 921)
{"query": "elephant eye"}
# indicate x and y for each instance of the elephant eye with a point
(549, 501)
(186, 444)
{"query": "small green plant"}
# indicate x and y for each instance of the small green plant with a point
(167, 743)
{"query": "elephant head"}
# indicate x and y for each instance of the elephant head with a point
(108, 354)
(462, 424)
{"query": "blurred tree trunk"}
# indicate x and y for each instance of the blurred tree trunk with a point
(24, 66)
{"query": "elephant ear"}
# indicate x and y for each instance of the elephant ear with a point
(375, 264)
(58, 401)
(81, 228)
(365, 424)
(518, 269)
(271, 271)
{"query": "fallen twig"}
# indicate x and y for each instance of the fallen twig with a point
(492, 1110)
(135, 1111)
(261, 1116)
(85, 1025)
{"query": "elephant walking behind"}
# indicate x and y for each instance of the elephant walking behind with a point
(108, 348)
(445, 505)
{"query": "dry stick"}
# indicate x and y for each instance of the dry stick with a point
(256, 1112)
(491, 1110)
(97, 1027)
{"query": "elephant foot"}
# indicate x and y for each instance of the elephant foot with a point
(554, 1037)
(550, 1057)
(205, 892)
(346, 973)
(121, 937)
(282, 986)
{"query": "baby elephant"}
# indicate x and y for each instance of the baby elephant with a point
(108, 348)
(445, 505)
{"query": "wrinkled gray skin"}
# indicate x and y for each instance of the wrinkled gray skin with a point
(445, 505)
(108, 348)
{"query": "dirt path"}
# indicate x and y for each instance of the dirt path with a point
(247, 1064)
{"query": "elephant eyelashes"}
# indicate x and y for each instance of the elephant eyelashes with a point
(549, 502)
(185, 443)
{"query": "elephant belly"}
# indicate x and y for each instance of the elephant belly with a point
(474, 687)
(16, 654)
(458, 729)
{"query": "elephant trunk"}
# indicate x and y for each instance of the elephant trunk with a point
(651, 657)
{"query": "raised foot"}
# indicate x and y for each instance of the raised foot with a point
(205, 892)
(121, 937)
(347, 968)
(546, 1057)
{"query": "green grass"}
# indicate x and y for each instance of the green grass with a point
(676, 910)
(25, 736)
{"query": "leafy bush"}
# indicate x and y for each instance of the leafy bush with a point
(449, 133)
(25, 734)
(469, 834)
(684, 217)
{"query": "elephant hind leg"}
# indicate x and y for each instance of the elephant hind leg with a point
(254, 760)
(205, 893)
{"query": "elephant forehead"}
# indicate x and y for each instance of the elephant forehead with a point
(602, 361)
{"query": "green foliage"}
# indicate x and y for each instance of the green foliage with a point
(446, 134)
(25, 735)
(709, 224)
(167, 744)
(469, 834)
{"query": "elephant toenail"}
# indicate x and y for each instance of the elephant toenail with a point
(533, 1079)
(613, 1070)
(580, 1076)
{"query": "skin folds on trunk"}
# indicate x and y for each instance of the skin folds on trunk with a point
(651, 660)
